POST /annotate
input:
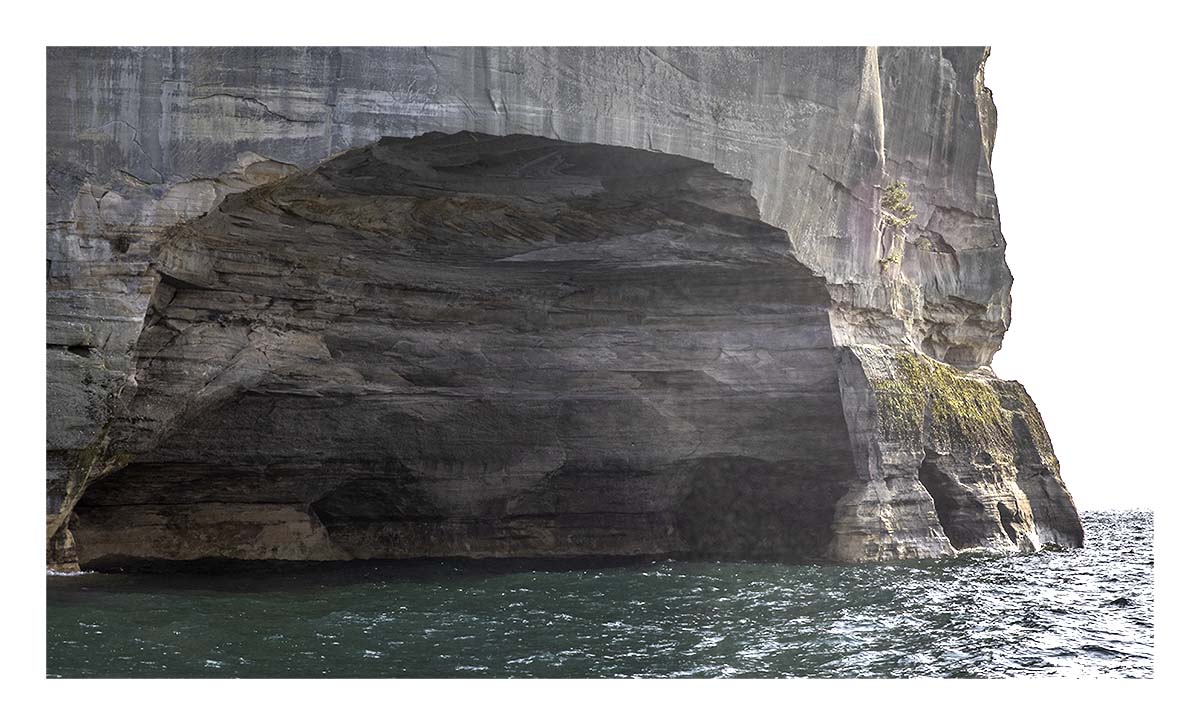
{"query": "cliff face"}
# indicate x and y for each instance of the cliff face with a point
(364, 360)
(479, 345)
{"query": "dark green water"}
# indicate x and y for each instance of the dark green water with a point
(1080, 613)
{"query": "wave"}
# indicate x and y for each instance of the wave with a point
(84, 572)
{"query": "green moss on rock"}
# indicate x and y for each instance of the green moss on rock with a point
(956, 411)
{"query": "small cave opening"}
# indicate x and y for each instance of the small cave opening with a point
(1007, 516)
(940, 487)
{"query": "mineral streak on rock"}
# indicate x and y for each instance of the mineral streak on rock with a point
(220, 380)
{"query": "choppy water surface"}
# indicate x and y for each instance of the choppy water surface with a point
(1078, 613)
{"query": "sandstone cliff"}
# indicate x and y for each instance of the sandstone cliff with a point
(468, 345)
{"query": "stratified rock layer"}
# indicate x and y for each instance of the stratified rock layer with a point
(142, 137)
(948, 461)
(468, 345)
(140, 140)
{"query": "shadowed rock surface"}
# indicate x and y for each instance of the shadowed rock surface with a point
(469, 345)
(141, 379)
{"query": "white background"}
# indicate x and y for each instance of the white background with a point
(1089, 164)
(1095, 169)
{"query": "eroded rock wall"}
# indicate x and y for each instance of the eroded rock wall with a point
(969, 444)
(143, 139)
(477, 346)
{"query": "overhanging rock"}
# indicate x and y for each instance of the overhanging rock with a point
(144, 349)
(469, 345)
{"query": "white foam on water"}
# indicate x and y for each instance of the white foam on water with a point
(52, 572)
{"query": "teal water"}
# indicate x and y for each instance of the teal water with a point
(1083, 613)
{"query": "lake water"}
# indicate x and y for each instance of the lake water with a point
(1084, 613)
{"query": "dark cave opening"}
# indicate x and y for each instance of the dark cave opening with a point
(517, 378)
(1007, 516)
(940, 488)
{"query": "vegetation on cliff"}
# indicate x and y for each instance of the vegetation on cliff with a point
(961, 410)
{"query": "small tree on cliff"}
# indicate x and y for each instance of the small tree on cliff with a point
(897, 213)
